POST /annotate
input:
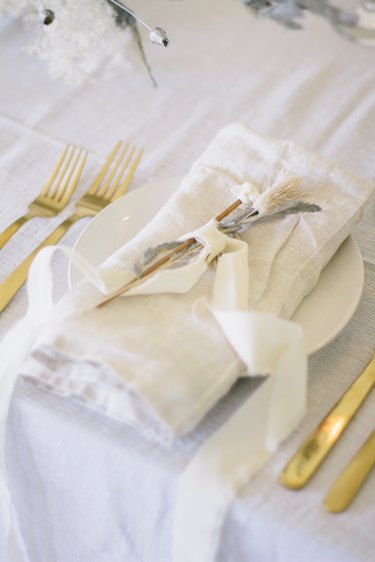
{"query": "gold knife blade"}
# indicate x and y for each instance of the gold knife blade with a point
(348, 484)
(316, 447)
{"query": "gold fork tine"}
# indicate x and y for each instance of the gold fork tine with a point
(69, 186)
(99, 178)
(56, 185)
(120, 174)
(55, 171)
(113, 186)
(124, 185)
(55, 194)
(102, 191)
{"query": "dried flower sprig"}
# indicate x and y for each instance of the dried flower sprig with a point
(272, 207)
(152, 253)
(238, 225)
(157, 35)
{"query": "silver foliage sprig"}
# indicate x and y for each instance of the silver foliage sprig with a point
(152, 253)
(234, 226)
(289, 12)
(244, 219)
(157, 35)
(126, 19)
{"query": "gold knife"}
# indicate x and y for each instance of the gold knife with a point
(316, 447)
(348, 484)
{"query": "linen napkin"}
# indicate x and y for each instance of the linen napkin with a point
(163, 355)
(144, 344)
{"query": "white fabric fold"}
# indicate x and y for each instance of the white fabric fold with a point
(265, 344)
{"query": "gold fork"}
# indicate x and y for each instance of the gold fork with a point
(110, 184)
(55, 194)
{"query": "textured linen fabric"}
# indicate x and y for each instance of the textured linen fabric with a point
(88, 488)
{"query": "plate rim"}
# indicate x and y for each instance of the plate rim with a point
(108, 209)
(354, 305)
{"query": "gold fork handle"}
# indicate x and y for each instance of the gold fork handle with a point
(17, 278)
(7, 234)
(348, 484)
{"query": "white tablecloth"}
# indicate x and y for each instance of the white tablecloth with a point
(86, 488)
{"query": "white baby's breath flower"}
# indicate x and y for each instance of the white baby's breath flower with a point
(247, 192)
(82, 37)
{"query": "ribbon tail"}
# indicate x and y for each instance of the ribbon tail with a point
(13, 351)
(240, 447)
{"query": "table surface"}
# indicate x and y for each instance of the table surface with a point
(87, 488)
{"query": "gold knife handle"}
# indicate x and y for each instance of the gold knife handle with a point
(17, 278)
(316, 447)
(348, 484)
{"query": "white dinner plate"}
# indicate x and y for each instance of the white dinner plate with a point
(322, 314)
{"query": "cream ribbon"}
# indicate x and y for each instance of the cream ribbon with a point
(267, 345)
